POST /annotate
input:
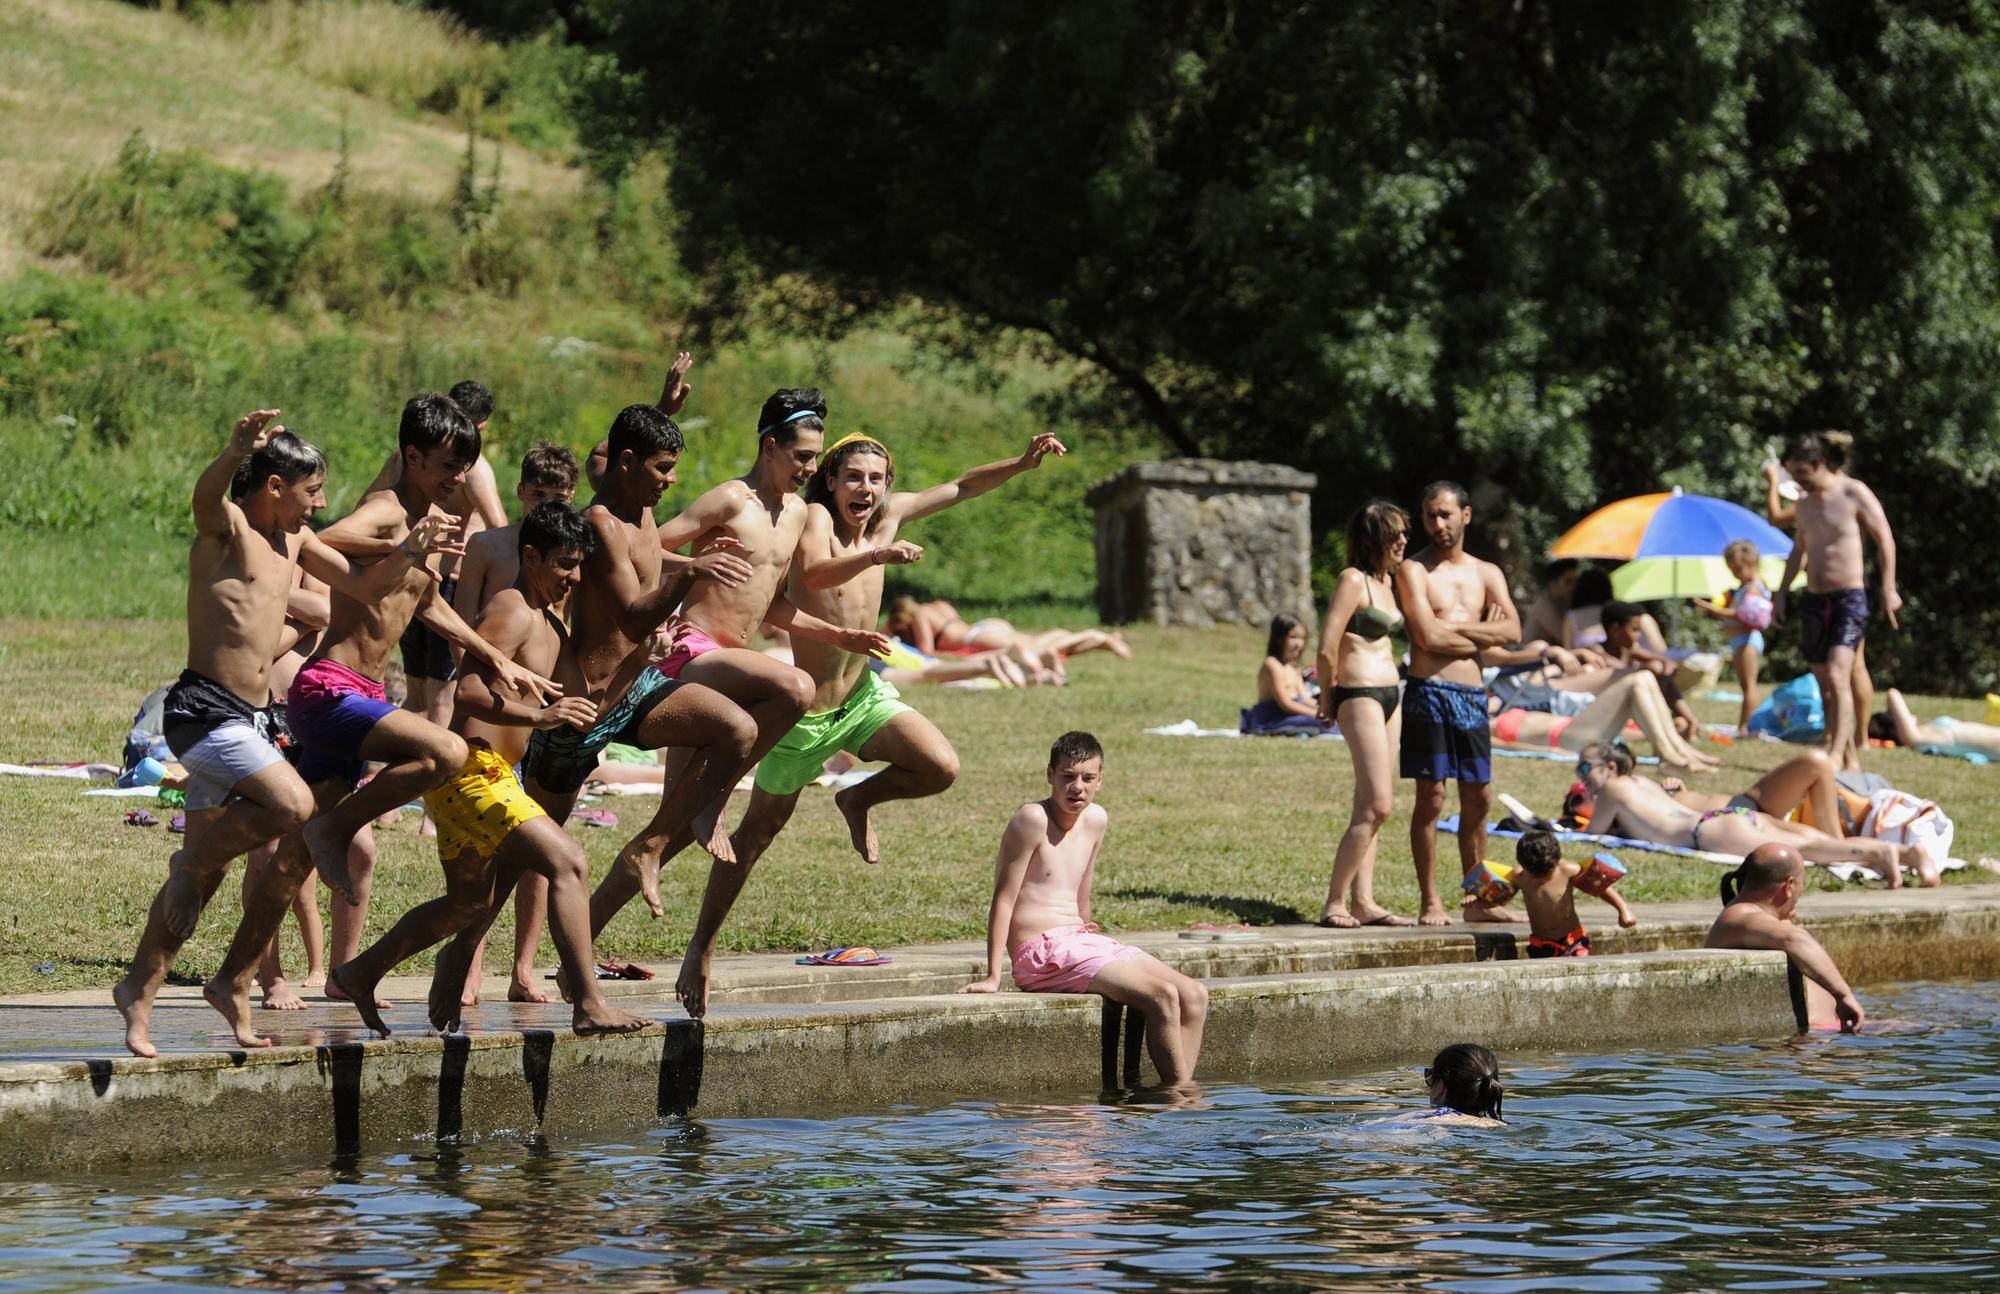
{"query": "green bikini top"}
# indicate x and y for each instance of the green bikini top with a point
(1371, 623)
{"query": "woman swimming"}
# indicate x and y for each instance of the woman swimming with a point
(1357, 665)
(1464, 1083)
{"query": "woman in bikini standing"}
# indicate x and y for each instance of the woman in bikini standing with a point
(1357, 669)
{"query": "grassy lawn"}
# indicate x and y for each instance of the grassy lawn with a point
(1202, 830)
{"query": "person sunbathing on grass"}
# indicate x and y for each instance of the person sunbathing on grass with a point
(1759, 899)
(854, 520)
(1624, 805)
(1631, 697)
(251, 506)
(489, 830)
(936, 626)
(1952, 736)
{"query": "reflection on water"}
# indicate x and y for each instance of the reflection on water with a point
(1863, 1162)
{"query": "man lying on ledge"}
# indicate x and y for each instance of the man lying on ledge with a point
(1758, 900)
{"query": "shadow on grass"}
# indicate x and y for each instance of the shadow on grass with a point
(1255, 912)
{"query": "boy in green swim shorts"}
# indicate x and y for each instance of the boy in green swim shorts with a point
(852, 522)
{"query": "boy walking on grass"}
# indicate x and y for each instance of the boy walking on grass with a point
(1041, 915)
(1548, 890)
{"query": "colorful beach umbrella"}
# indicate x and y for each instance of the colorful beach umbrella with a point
(1670, 525)
(1653, 579)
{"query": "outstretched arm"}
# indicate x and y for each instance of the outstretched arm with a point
(820, 569)
(437, 613)
(1806, 953)
(673, 394)
(505, 627)
(922, 503)
(212, 505)
(322, 561)
(1017, 846)
(862, 642)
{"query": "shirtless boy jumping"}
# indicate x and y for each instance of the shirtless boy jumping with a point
(851, 533)
(487, 825)
(1456, 606)
(753, 524)
(251, 506)
(1040, 916)
(1833, 614)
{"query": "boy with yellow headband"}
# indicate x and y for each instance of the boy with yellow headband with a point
(852, 524)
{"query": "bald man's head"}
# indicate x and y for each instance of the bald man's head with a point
(1764, 868)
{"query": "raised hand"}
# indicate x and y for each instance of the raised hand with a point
(526, 682)
(900, 553)
(576, 711)
(1043, 444)
(864, 642)
(676, 391)
(723, 561)
(253, 431)
(436, 533)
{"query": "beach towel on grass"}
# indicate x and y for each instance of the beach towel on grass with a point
(76, 772)
(1449, 825)
(1189, 728)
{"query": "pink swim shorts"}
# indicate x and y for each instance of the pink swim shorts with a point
(689, 643)
(1067, 958)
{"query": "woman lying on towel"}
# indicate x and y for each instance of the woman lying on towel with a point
(1633, 696)
(1285, 704)
(1944, 734)
(935, 628)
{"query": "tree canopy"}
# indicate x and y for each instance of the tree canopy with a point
(1566, 252)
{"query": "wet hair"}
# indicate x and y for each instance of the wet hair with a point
(1561, 566)
(1371, 534)
(289, 458)
(1831, 448)
(1470, 1075)
(555, 527)
(791, 411)
(547, 463)
(820, 489)
(1282, 625)
(1617, 613)
(1593, 589)
(1453, 488)
(645, 431)
(475, 399)
(1537, 852)
(1756, 873)
(1615, 753)
(1074, 748)
(1738, 549)
(432, 421)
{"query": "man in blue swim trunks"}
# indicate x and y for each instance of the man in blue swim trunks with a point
(1456, 606)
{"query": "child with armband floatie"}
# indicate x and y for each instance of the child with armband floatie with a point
(1548, 883)
(1748, 610)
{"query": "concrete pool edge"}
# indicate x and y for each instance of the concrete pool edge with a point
(770, 1060)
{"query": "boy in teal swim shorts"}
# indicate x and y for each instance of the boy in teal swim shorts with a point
(852, 522)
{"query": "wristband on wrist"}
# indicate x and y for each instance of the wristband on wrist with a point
(405, 549)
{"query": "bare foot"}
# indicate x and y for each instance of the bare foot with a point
(278, 996)
(138, 1013)
(643, 861)
(1338, 918)
(314, 979)
(1433, 915)
(1919, 860)
(335, 993)
(344, 984)
(711, 835)
(859, 830)
(563, 989)
(1384, 917)
(233, 1003)
(691, 989)
(525, 991)
(605, 1018)
(1487, 913)
(1118, 647)
(470, 997)
(329, 855)
(427, 828)
(182, 897)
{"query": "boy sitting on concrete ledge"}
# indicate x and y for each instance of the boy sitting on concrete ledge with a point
(1041, 915)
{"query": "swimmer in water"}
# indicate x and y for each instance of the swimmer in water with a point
(1465, 1087)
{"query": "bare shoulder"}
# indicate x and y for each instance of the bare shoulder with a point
(1032, 815)
(491, 543)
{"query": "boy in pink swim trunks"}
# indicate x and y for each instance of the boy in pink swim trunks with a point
(1041, 915)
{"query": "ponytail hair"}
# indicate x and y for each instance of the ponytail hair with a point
(1732, 884)
(1470, 1076)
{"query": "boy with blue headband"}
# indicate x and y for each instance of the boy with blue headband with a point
(851, 528)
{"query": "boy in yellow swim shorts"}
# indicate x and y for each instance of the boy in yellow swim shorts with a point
(853, 519)
(489, 830)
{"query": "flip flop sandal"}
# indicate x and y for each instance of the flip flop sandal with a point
(612, 968)
(598, 818)
(140, 818)
(858, 956)
(179, 825)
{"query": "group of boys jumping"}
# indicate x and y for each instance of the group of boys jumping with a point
(583, 628)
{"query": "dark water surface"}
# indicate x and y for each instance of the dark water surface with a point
(1866, 1162)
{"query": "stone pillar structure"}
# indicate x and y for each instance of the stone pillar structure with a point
(1198, 541)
